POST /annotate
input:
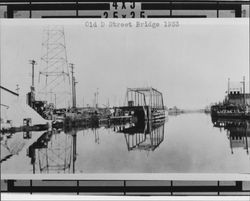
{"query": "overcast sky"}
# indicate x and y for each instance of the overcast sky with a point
(190, 65)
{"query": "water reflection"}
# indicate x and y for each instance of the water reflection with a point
(54, 152)
(13, 143)
(238, 132)
(10, 147)
(132, 148)
(147, 136)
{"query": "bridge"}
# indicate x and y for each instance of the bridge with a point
(144, 104)
(147, 136)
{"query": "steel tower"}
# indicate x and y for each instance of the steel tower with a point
(54, 79)
(58, 156)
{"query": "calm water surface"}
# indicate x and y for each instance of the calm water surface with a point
(188, 143)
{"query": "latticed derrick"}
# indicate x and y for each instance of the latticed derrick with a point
(57, 156)
(54, 78)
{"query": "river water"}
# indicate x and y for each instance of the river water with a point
(186, 143)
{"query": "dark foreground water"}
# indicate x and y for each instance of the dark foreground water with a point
(188, 143)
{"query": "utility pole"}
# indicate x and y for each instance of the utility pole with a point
(244, 91)
(33, 63)
(74, 92)
(73, 86)
(97, 93)
(228, 86)
(244, 98)
(31, 96)
(75, 82)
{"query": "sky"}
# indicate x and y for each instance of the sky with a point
(189, 64)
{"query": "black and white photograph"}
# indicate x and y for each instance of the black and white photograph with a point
(125, 96)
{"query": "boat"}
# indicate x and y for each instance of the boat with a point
(228, 110)
(235, 105)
